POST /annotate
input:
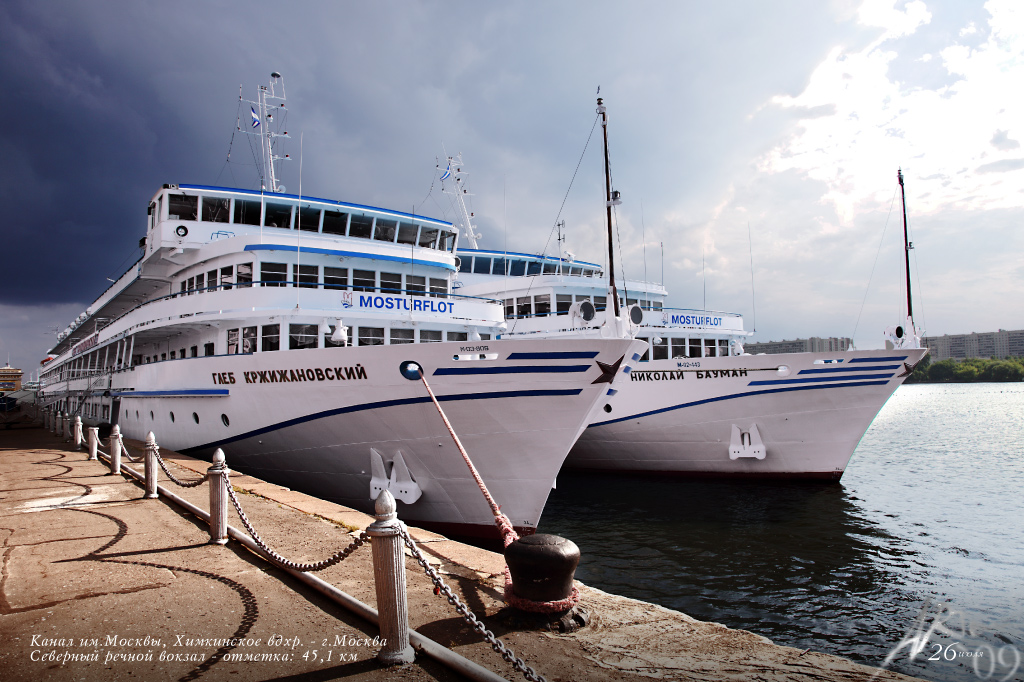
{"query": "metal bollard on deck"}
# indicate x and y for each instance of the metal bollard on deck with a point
(115, 450)
(218, 499)
(94, 441)
(389, 579)
(78, 432)
(151, 470)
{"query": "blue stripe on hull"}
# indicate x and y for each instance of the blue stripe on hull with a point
(889, 359)
(849, 369)
(559, 355)
(737, 395)
(816, 380)
(526, 369)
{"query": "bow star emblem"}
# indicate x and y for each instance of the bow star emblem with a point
(607, 371)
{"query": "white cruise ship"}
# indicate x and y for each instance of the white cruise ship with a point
(288, 330)
(695, 403)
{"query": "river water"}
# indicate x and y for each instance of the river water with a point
(921, 542)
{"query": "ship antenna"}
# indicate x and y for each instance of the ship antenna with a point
(611, 199)
(269, 130)
(906, 251)
(455, 172)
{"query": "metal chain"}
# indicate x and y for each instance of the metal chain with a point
(183, 484)
(124, 449)
(277, 558)
(441, 588)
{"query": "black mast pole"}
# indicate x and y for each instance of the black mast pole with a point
(608, 206)
(906, 245)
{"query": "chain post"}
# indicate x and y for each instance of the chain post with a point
(217, 476)
(389, 580)
(115, 450)
(56, 423)
(78, 432)
(67, 426)
(94, 441)
(151, 468)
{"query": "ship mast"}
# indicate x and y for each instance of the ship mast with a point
(264, 125)
(611, 199)
(906, 250)
(460, 192)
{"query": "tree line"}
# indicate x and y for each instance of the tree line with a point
(966, 371)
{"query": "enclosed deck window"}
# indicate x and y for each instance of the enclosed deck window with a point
(447, 241)
(407, 233)
(428, 237)
(216, 210)
(371, 336)
(550, 269)
(308, 276)
(243, 275)
(694, 348)
(678, 348)
(226, 275)
(273, 274)
(232, 343)
(208, 349)
(457, 336)
(385, 230)
(302, 336)
(499, 266)
(200, 282)
(271, 337)
(308, 219)
(482, 266)
(563, 302)
(533, 267)
(364, 280)
(600, 302)
(278, 215)
(402, 336)
(438, 288)
(723, 348)
(248, 339)
(660, 349)
(247, 212)
(335, 222)
(524, 307)
(360, 226)
(542, 304)
(390, 281)
(709, 348)
(335, 278)
(182, 207)
(430, 336)
(517, 268)
(416, 285)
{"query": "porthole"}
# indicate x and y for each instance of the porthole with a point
(195, 417)
(172, 417)
(151, 415)
(181, 231)
(136, 414)
(224, 418)
(607, 408)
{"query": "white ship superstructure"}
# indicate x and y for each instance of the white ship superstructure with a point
(288, 330)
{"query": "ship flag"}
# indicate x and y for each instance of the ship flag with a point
(255, 118)
(447, 171)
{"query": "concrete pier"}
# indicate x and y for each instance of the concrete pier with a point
(99, 584)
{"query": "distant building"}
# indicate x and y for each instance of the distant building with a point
(1000, 344)
(811, 345)
(10, 379)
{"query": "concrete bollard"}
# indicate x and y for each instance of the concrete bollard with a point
(67, 426)
(56, 424)
(115, 450)
(389, 579)
(218, 499)
(94, 441)
(151, 466)
(78, 432)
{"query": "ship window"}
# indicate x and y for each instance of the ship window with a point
(371, 336)
(661, 349)
(510, 307)
(335, 222)
(191, 285)
(273, 274)
(542, 304)
(278, 215)
(208, 349)
(232, 342)
(216, 210)
(447, 241)
(563, 302)
(533, 267)
(181, 354)
(647, 353)
(172, 352)
(517, 268)
(200, 282)
(723, 348)
(224, 420)
(364, 280)
(482, 266)
(415, 285)
(402, 336)
(309, 276)
(309, 219)
(328, 343)
(694, 346)
(385, 230)
(182, 207)
(457, 336)
(247, 212)
(271, 335)
(390, 281)
(524, 307)
(630, 301)
(430, 336)
(249, 339)
(302, 336)
(575, 272)
(428, 237)
(163, 356)
(600, 302)
(243, 275)
(360, 226)
(193, 352)
(709, 348)
(407, 233)
(195, 417)
(225, 276)
(678, 348)
(499, 267)
(335, 278)
(550, 269)
(485, 337)
(211, 278)
(184, 285)
(438, 288)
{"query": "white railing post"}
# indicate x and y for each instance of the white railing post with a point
(389, 579)
(78, 432)
(57, 426)
(94, 441)
(218, 499)
(115, 450)
(67, 425)
(151, 470)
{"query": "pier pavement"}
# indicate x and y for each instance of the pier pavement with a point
(100, 584)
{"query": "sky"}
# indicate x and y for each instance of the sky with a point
(755, 144)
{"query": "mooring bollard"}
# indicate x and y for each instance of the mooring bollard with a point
(218, 499)
(151, 472)
(389, 579)
(542, 567)
(115, 450)
(56, 423)
(94, 441)
(78, 432)
(67, 425)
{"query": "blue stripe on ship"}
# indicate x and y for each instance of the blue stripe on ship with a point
(187, 392)
(349, 254)
(849, 369)
(560, 355)
(383, 404)
(525, 369)
(737, 395)
(811, 380)
(891, 359)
